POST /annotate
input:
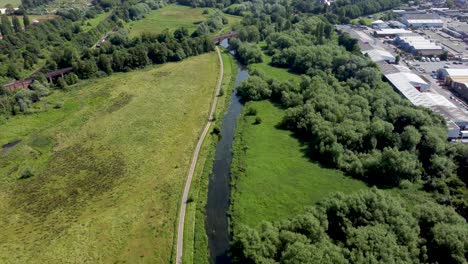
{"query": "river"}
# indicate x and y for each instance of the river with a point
(219, 189)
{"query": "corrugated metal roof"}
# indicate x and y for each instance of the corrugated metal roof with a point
(425, 21)
(392, 31)
(456, 72)
(379, 55)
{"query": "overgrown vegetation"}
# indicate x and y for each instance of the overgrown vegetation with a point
(349, 119)
(366, 227)
(98, 190)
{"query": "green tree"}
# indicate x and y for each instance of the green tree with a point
(255, 88)
(5, 27)
(16, 24)
(26, 21)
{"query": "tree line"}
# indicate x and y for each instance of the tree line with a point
(366, 227)
(352, 120)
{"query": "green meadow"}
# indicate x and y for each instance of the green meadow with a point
(272, 175)
(169, 17)
(99, 172)
(15, 3)
(172, 17)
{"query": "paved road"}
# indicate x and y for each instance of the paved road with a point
(183, 205)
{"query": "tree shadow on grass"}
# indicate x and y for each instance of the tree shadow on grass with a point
(306, 147)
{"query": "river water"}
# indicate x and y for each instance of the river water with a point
(219, 190)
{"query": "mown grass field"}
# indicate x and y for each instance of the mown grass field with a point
(172, 17)
(108, 167)
(274, 177)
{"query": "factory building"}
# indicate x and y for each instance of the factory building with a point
(456, 80)
(412, 87)
(379, 24)
(377, 55)
(422, 20)
(418, 45)
(392, 32)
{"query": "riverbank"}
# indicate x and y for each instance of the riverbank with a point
(195, 238)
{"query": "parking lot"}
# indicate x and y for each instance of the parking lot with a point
(429, 67)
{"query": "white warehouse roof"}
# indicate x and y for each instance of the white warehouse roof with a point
(378, 22)
(425, 21)
(379, 55)
(393, 31)
(419, 43)
(455, 72)
(403, 82)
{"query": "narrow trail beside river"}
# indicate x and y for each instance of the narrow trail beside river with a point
(183, 205)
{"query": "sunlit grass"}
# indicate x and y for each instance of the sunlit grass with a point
(108, 167)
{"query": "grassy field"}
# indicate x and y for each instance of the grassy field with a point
(172, 17)
(169, 17)
(40, 18)
(107, 168)
(15, 3)
(93, 22)
(273, 72)
(273, 177)
(195, 238)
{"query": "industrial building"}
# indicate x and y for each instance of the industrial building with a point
(418, 45)
(377, 55)
(412, 87)
(396, 24)
(422, 20)
(456, 80)
(379, 24)
(392, 32)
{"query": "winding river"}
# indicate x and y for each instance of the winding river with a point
(219, 190)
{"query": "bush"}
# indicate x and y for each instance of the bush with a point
(221, 92)
(27, 173)
(216, 130)
(258, 120)
(251, 111)
(206, 12)
(190, 199)
(58, 105)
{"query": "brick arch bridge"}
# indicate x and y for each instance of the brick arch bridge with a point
(220, 38)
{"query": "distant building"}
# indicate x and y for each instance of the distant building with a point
(396, 24)
(456, 80)
(379, 24)
(418, 45)
(377, 55)
(392, 32)
(422, 20)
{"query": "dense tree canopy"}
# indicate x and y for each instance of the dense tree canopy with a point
(366, 227)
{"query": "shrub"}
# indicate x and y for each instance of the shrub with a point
(221, 92)
(190, 199)
(258, 120)
(216, 130)
(58, 105)
(251, 111)
(27, 173)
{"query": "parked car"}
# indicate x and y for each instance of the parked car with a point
(437, 59)
(433, 59)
